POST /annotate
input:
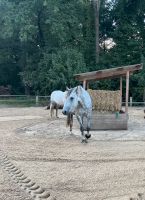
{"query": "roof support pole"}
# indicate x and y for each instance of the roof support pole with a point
(87, 87)
(84, 84)
(127, 91)
(121, 92)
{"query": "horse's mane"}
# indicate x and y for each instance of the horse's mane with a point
(69, 119)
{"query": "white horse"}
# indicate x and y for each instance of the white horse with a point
(79, 103)
(57, 100)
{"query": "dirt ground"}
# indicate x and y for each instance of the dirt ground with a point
(110, 167)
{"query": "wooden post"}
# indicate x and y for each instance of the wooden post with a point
(84, 84)
(87, 85)
(127, 91)
(121, 91)
(130, 101)
(37, 100)
(96, 5)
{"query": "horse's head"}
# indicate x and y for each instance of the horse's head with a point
(73, 101)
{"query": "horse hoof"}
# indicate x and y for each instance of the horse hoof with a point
(84, 141)
(88, 136)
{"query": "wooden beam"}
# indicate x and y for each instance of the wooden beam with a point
(127, 91)
(108, 73)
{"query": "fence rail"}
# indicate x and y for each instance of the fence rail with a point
(31, 100)
(134, 103)
(23, 100)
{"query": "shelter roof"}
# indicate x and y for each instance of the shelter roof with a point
(108, 73)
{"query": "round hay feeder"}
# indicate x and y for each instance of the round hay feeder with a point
(108, 103)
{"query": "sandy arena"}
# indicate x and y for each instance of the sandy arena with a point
(110, 167)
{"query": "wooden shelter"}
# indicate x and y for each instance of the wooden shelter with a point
(118, 72)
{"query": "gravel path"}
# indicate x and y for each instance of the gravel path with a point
(111, 166)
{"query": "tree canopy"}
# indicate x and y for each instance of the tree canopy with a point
(43, 43)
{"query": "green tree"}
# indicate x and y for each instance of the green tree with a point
(44, 43)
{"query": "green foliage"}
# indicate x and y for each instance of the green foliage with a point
(60, 68)
(44, 43)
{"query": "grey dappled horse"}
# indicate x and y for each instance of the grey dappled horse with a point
(57, 100)
(78, 102)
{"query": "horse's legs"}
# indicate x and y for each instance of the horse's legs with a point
(88, 135)
(56, 111)
(51, 109)
(80, 120)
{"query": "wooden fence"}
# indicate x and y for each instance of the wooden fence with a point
(24, 100)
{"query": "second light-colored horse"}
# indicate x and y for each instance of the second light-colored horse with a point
(57, 100)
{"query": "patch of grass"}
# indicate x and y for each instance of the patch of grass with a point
(22, 101)
(17, 103)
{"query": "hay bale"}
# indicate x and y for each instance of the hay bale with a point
(104, 100)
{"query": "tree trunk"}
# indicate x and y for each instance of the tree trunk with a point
(96, 5)
(27, 90)
(144, 94)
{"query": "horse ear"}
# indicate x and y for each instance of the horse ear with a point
(78, 90)
(67, 89)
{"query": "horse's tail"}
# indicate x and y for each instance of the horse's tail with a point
(53, 105)
(48, 105)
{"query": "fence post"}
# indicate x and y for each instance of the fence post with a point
(130, 101)
(37, 100)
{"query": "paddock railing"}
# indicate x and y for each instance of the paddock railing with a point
(28, 100)
(23, 100)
